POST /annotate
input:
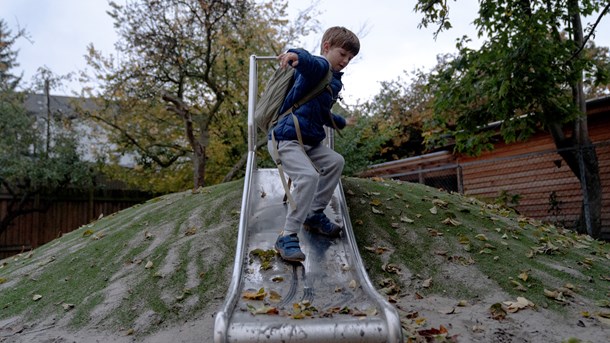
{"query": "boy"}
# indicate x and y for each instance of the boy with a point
(315, 169)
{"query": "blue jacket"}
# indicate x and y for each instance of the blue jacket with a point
(314, 114)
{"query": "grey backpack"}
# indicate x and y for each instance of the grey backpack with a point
(267, 110)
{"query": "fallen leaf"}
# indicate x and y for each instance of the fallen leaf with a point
(375, 202)
(377, 250)
(376, 211)
(556, 295)
(521, 303)
(433, 210)
(433, 332)
(263, 310)
(451, 221)
(148, 265)
(405, 219)
(519, 286)
(391, 268)
(427, 283)
(462, 303)
(497, 312)
(481, 237)
(434, 233)
(255, 295)
(37, 297)
(440, 203)
(274, 296)
(353, 284)
(523, 276)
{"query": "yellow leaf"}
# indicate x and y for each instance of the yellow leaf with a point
(464, 240)
(274, 296)
(255, 295)
(375, 202)
(523, 276)
(481, 237)
(521, 303)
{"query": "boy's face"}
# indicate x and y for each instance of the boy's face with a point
(339, 58)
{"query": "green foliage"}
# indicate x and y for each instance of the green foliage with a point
(521, 77)
(361, 143)
(38, 156)
(405, 106)
(178, 93)
(8, 57)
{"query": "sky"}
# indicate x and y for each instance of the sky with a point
(391, 43)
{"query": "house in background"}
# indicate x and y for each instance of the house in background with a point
(530, 176)
(73, 208)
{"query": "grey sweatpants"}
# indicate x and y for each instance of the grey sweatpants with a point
(312, 189)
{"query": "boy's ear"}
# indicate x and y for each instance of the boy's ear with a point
(325, 47)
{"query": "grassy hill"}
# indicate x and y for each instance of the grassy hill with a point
(457, 269)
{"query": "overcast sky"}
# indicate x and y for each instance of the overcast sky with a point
(391, 43)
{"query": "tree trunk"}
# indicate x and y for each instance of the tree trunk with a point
(583, 157)
(199, 158)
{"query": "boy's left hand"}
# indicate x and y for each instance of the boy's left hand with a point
(288, 58)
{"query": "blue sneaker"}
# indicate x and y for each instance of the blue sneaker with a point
(288, 247)
(318, 222)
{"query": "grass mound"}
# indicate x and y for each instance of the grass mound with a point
(152, 268)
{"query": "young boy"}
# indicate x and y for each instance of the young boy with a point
(315, 169)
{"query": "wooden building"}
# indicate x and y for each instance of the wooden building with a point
(531, 174)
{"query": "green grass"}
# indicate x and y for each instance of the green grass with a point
(177, 232)
(500, 244)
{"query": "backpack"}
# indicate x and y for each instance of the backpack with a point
(267, 110)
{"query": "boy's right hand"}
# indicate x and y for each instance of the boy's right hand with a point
(288, 58)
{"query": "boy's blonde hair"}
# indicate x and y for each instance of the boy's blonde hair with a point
(339, 36)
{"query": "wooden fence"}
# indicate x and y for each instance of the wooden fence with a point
(70, 211)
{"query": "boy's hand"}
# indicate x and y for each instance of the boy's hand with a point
(288, 58)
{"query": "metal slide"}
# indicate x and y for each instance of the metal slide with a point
(331, 280)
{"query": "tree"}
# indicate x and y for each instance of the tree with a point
(528, 73)
(360, 144)
(38, 156)
(405, 105)
(180, 86)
